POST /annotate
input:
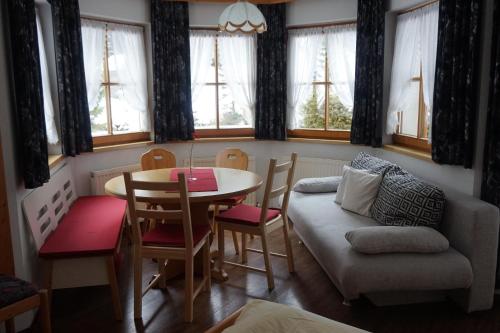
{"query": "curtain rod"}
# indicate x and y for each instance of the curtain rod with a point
(320, 25)
(256, 2)
(417, 7)
(113, 21)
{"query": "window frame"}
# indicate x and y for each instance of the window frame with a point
(218, 131)
(111, 139)
(421, 141)
(324, 133)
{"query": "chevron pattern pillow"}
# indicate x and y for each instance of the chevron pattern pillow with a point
(404, 200)
(365, 161)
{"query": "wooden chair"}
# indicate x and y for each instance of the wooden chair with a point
(259, 221)
(231, 158)
(158, 158)
(167, 241)
(18, 296)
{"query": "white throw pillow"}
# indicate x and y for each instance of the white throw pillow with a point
(360, 191)
(346, 171)
(318, 185)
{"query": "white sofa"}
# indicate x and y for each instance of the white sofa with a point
(465, 272)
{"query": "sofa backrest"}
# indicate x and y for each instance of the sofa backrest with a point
(46, 205)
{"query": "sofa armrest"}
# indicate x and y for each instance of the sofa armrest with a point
(472, 227)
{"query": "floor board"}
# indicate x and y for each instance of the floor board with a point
(90, 310)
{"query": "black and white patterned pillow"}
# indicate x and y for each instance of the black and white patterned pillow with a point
(405, 200)
(365, 161)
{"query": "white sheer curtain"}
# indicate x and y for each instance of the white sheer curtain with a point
(429, 33)
(341, 48)
(127, 43)
(415, 46)
(303, 48)
(202, 44)
(93, 39)
(238, 63)
(48, 103)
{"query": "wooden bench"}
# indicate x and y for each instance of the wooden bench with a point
(78, 239)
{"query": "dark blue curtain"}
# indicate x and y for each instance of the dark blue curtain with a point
(173, 115)
(271, 99)
(366, 125)
(490, 190)
(28, 95)
(455, 91)
(76, 133)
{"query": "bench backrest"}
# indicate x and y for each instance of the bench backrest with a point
(45, 206)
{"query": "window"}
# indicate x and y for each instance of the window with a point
(412, 82)
(321, 81)
(48, 103)
(223, 81)
(115, 71)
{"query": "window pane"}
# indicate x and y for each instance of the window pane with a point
(98, 116)
(312, 111)
(204, 111)
(231, 115)
(319, 72)
(124, 116)
(409, 123)
(339, 116)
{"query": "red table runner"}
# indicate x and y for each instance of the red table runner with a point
(205, 179)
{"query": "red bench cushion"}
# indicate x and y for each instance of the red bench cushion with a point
(246, 214)
(172, 235)
(92, 226)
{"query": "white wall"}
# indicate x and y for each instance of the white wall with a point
(321, 11)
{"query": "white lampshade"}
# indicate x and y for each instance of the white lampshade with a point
(242, 16)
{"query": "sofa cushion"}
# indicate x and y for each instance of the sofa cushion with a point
(346, 171)
(13, 290)
(321, 225)
(360, 192)
(264, 316)
(391, 239)
(374, 164)
(318, 185)
(405, 200)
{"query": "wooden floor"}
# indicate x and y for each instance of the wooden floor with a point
(90, 310)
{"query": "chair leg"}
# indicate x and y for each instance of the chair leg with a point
(10, 327)
(113, 283)
(162, 283)
(206, 266)
(235, 242)
(244, 256)
(137, 284)
(267, 260)
(288, 245)
(45, 312)
(47, 283)
(220, 242)
(188, 298)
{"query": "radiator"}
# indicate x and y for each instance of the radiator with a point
(99, 178)
(316, 167)
(210, 162)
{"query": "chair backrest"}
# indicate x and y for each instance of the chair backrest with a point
(232, 158)
(158, 158)
(285, 189)
(137, 212)
(45, 206)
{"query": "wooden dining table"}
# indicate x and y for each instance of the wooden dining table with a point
(230, 183)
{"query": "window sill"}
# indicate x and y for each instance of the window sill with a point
(130, 145)
(54, 160)
(322, 141)
(412, 152)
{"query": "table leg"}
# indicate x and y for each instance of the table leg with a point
(199, 215)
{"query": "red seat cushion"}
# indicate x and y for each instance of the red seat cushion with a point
(172, 235)
(92, 226)
(231, 201)
(245, 214)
